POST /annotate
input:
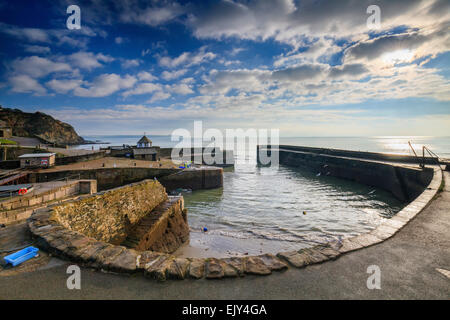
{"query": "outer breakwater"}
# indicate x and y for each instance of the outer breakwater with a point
(388, 172)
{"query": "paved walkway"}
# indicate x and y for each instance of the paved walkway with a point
(408, 263)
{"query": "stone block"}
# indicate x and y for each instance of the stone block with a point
(124, 262)
(236, 263)
(104, 256)
(327, 251)
(213, 268)
(145, 257)
(315, 256)
(178, 269)
(349, 245)
(272, 262)
(87, 254)
(294, 258)
(256, 266)
(157, 269)
(197, 268)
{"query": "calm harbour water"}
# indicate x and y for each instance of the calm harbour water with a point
(268, 209)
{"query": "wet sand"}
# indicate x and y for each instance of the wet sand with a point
(200, 245)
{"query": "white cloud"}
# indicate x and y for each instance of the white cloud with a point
(105, 84)
(26, 84)
(182, 89)
(146, 76)
(74, 38)
(143, 88)
(290, 21)
(153, 15)
(129, 63)
(64, 86)
(36, 67)
(170, 75)
(28, 34)
(88, 60)
(159, 96)
(187, 58)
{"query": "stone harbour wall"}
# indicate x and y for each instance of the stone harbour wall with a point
(109, 215)
(364, 155)
(85, 157)
(194, 179)
(20, 208)
(107, 178)
(404, 182)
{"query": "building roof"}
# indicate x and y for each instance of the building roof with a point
(144, 139)
(144, 151)
(36, 155)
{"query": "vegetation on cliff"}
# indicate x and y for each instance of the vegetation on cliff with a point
(40, 125)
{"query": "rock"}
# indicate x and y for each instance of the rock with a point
(272, 262)
(349, 245)
(197, 268)
(228, 270)
(46, 229)
(87, 254)
(39, 124)
(156, 269)
(294, 258)
(58, 245)
(314, 255)
(256, 266)
(145, 257)
(124, 262)
(177, 269)
(104, 256)
(334, 244)
(382, 234)
(366, 240)
(327, 251)
(214, 269)
(76, 246)
(236, 263)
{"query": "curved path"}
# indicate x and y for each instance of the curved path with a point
(409, 264)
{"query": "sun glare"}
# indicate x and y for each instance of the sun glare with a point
(397, 56)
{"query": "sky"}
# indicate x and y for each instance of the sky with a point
(307, 68)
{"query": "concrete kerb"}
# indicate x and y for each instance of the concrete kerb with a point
(89, 252)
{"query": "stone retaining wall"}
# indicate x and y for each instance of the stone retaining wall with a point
(109, 215)
(107, 178)
(79, 158)
(194, 179)
(20, 207)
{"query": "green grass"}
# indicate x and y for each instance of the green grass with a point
(7, 142)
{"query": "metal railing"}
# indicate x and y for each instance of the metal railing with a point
(433, 155)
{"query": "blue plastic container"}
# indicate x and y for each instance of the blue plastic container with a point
(21, 256)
